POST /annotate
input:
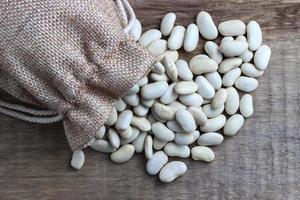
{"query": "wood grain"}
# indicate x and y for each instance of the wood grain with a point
(261, 162)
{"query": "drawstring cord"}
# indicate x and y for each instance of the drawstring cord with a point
(47, 116)
(126, 12)
(29, 114)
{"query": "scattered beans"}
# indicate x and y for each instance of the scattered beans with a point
(162, 113)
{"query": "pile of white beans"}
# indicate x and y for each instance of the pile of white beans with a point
(181, 103)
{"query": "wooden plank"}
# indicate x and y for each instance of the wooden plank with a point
(261, 162)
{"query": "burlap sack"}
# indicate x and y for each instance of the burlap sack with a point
(69, 56)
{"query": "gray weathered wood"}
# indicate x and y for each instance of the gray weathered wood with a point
(261, 162)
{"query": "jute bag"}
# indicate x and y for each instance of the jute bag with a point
(72, 58)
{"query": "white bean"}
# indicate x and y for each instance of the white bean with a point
(158, 144)
(123, 154)
(214, 124)
(246, 84)
(164, 112)
(211, 112)
(149, 36)
(124, 120)
(229, 63)
(158, 68)
(191, 38)
(174, 126)
(134, 134)
(139, 142)
(202, 65)
(232, 28)
(154, 90)
(185, 87)
(167, 23)
(176, 38)
(132, 100)
(262, 57)
(212, 49)
(135, 89)
(148, 147)
(101, 132)
(196, 135)
(184, 71)
(159, 77)
(198, 57)
(140, 110)
(254, 35)
(219, 98)
(205, 89)
(233, 124)
(102, 146)
(246, 105)
(77, 159)
(233, 101)
(170, 68)
(113, 138)
(250, 70)
(170, 95)
(210, 139)
(157, 47)
(177, 105)
(112, 117)
(233, 48)
(185, 120)
(172, 55)
(148, 102)
(136, 30)
(143, 81)
(125, 133)
(214, 79)
(199, 116)
(206, 25)
(202, 153)
(171, 171)
(231, 76)
(246, 56)
(173, 149)
(193, 99)
(141, 123)
(120, 105)
(162, 132)
(183, 138)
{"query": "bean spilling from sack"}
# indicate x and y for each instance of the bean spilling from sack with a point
(184, 108)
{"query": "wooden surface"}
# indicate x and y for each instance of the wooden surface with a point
(261, 162)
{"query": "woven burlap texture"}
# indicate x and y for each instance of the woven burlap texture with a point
(69, 56)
